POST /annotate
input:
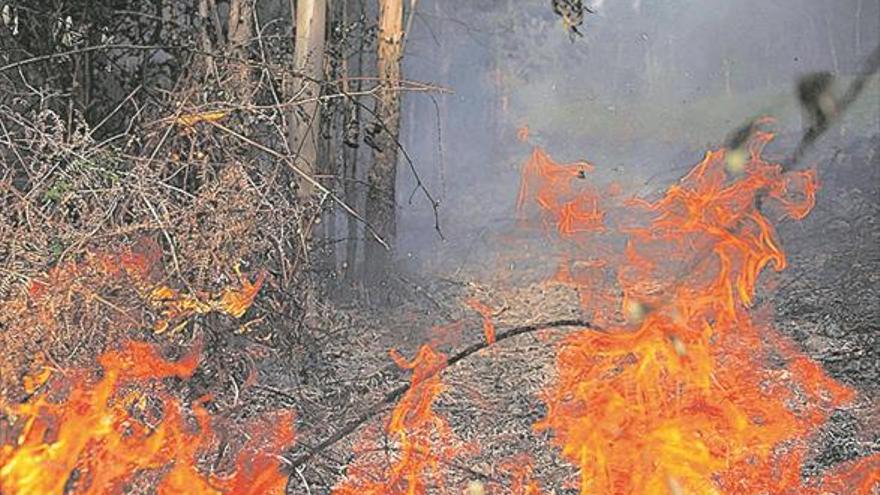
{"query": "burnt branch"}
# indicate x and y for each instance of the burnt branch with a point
(394, 395)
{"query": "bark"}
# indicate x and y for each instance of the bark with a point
(381, 211)
(859, 28)
(305, 120)
(240, 29)
(328, 140)
(327, 168)
(205, 44)
(351, 126)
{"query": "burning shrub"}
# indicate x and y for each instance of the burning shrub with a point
(101, 238)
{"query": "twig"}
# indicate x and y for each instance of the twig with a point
(412, 167)
(304, 482)
(78, 51)
(871, 66)
(164, 233)
(295, 101)
(113, 112)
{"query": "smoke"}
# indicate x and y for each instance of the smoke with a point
(643, 94)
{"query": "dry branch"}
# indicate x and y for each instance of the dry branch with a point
(392, 396)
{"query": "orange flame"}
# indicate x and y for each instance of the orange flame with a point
(233, 302)
(89, 443)
(685, 403)
(424, 439)
(140, 266)
(675, 396)
(486, 313)
(552, 186)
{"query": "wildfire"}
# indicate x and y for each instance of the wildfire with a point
(569, 209)
(97, 441)
(676, 396)
(232, 301)
(140, 267)
(78, 434)
(685, 402)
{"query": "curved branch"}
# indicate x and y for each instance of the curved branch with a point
(394, 395)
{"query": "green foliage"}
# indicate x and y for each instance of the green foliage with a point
(100, 169)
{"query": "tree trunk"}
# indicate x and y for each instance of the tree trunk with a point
(381, 211)
(329, 138)
(649, 65)
(728, 84)
(351, 143)
(240, 29)
(832, 49)
(308, 56)
(859, 28)
(443, 100)
(205, 44)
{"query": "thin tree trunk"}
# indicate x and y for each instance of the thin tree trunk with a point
(728, 84)
(304, 127)
(351, 148)
(381, 211)
(205, 38)
(621, 83)
(859, 28)
(649, 65)
(443, 100)
(240, 29)
(327, 168)
(831, 47)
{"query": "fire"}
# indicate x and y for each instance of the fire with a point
(92, 441)
(684, 402)
(486, 313)
(675, 396)
(140, 267)
(82, 434)
(424, 440)
(568, 208)
(231, 301)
